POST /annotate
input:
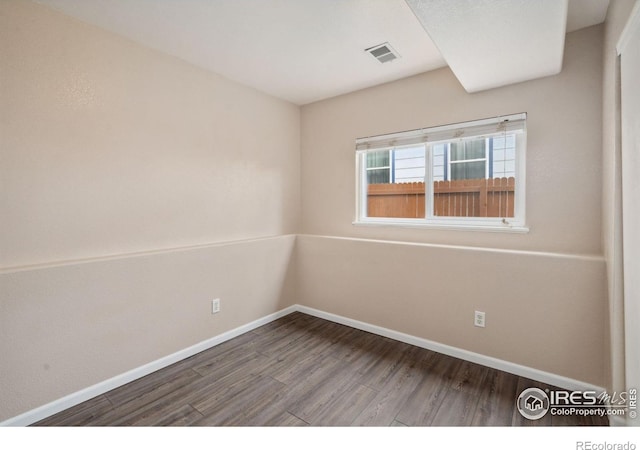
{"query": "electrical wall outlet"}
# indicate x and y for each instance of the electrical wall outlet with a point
(479, 319)
(215, 306)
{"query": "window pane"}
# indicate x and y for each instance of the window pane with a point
(510, 167)
(461, 187)
(468, 170)
(498, 154)
(378, 159)
(498, 142)
(398, 189)
(409, 152)
(457, 151)
(473, 149)
(504, 157)
(439, 160)
(408, 165)
(510, 153)
(377, 176)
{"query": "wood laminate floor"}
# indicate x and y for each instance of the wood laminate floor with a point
(301, 370)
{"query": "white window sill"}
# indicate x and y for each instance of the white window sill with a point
(456, 226)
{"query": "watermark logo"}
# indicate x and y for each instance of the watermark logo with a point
(589, 445)
(533, 403)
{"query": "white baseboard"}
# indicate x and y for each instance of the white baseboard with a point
(90, 392)
(76, 398)
(488, 361)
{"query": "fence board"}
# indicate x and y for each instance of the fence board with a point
(493, 197)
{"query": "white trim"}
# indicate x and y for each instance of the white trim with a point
(487, 361)
(632, 23)
(78, 397)
(90, 392)
(494, 226)
(592, 258)
(100, 258)
(444, 133)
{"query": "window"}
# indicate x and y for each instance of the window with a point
(468, 175)
(379, 167)
(468, 159)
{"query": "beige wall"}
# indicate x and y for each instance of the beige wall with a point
(68, 327)
(544, 309)
(617, 16)
(563, 150)
(110, 148)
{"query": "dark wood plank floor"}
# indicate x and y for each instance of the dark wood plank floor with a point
(301, 370)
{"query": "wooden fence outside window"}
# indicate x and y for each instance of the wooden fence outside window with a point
(491, 197)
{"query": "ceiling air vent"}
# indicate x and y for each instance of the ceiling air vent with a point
(383, 52)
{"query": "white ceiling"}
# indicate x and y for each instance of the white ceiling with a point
(299, 50)
(491, 43)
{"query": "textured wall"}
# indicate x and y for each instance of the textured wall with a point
(67, 327)
(545, 298)
(542, 311)
(563, 150)
(109, 147)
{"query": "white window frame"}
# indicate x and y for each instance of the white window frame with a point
(429, 137)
